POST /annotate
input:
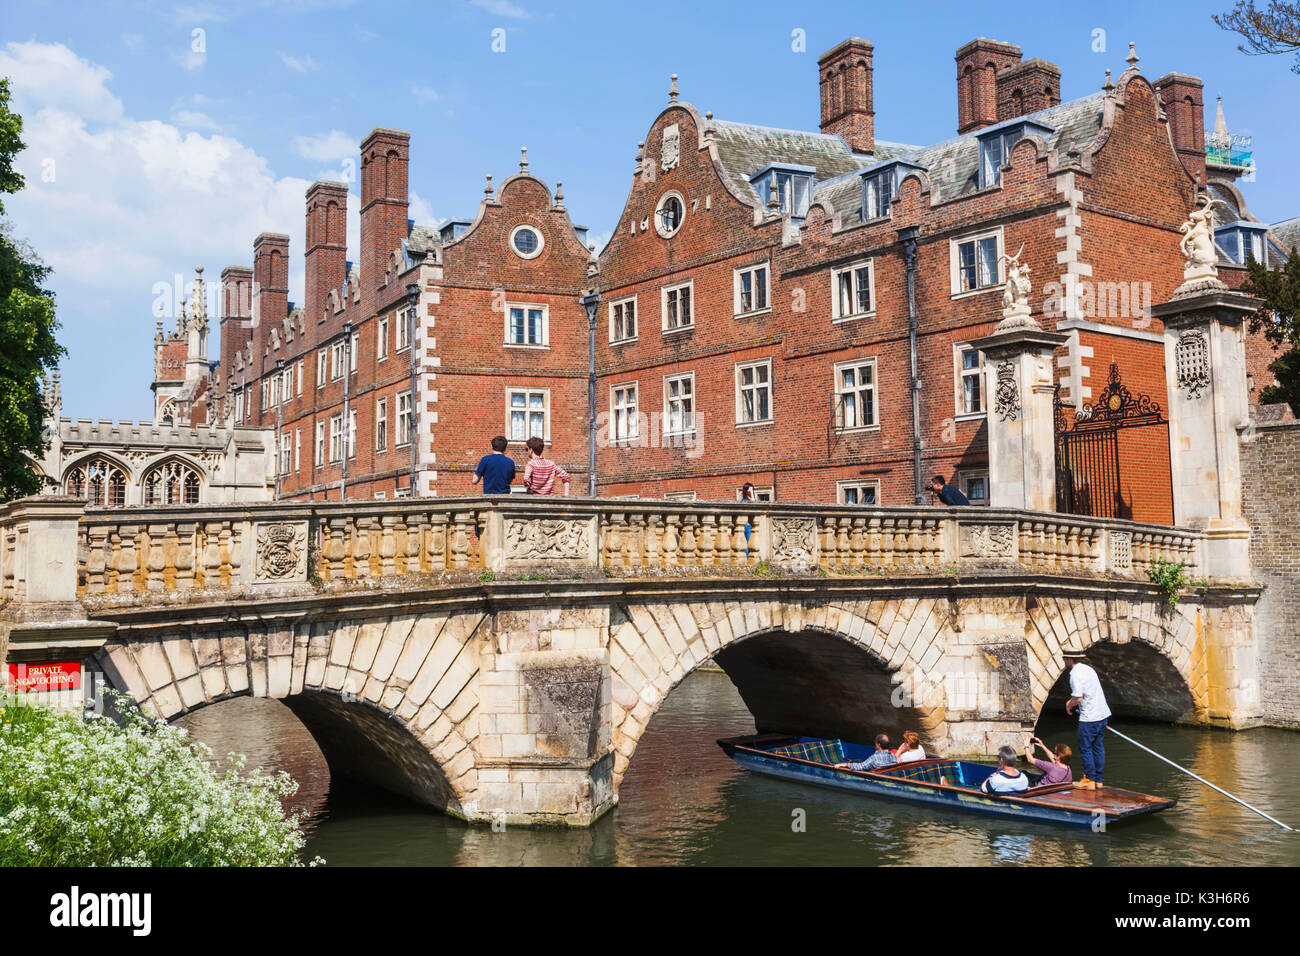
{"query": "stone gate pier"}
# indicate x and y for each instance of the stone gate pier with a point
(511, 676)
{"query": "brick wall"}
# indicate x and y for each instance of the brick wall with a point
(1270, 467)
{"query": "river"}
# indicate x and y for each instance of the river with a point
(684, 802)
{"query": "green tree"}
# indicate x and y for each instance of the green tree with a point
(1277, 318)
(1273, 30)
(27, 325)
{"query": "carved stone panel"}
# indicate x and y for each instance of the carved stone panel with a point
(550, 540)
(794, 543)
(1192, 362)
(1121, 550)
(987, 541)
(1007, 398)
(281, 552)
(671, 148)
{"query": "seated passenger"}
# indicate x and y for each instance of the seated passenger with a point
(1056, 769)
(911, 749)
(883, 757)
(1006, 779)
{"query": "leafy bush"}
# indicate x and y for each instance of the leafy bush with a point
(77, 792)
(1169, 577)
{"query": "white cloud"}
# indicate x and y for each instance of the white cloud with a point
(305, 65)
(324, 147)
(132, 203)
(190, 59)
(502, 8)
(194, 120)
(424, 94)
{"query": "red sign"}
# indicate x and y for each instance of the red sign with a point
(44, 676)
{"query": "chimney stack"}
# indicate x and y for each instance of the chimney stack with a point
(236, 317)
(385, 154)
(1027, 88)
(846, 94)
(326, 260)
(1181, 97)
(978, 65)
(270, 296)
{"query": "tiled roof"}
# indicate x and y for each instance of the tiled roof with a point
(1287, 232)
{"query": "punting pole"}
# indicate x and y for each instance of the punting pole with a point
(1202, 779)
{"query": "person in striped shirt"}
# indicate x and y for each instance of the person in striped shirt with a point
(541, 473)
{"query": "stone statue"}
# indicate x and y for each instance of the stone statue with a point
(1198, 246)
(1016, 311)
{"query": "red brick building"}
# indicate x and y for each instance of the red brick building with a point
(788, 308)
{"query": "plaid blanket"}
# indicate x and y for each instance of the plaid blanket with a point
(950, 771)
(818, 751)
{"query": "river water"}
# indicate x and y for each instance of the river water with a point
(684, 802)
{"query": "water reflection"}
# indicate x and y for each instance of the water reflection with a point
(684, 802)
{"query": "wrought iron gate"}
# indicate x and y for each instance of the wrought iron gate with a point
(1087, 447)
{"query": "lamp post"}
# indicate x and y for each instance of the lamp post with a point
(591, 301)
(347, 417)
(413, 293)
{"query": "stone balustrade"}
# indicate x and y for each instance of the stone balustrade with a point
(159, 554)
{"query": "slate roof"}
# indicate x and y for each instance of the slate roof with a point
(744, 149)
(1287, 232)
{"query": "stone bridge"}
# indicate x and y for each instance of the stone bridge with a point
(499, 658)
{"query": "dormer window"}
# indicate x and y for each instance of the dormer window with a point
(793, 186)
(453, 229)
(880, 186)
(996, 143)
(1242, 240)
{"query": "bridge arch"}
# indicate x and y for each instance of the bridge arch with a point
(1148, 654)
(860, 654)
(390, 700)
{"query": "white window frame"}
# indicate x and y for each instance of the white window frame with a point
(629, 411)
(322, 359)
(336, 438)
(405, 419)
(381, 424)
(689, 285)
(528, 390)
(297, 449)
(541, 240)
(352, 433)
(737, 284)
(874, 388)
(286, 452)
(636, 320)
(381, 339)
(857, 484)
(763, 494)
(337, 358)
(771, 393)
(354, 351)
(545, 343)
(298, 389)
(962, 479)
(680, 496)
(319, 454)
(668, 430)
(852, 269)
(954, 262)
(404, 330)
(660, 228)
(960, 374)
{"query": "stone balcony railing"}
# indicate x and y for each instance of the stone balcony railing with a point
(53, 549)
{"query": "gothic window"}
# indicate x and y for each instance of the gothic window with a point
(99, 480)
(167, 414)
(171, 483)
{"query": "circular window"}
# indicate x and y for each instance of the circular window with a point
(526, 242)
(669, 214)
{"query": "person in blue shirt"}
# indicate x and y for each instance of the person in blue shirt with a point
(946, 493)
(883, 757)
(496, 470)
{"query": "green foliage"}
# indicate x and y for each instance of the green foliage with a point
(27, 326)
(534, 576)
(765, 570)
(1286, 369)
(1274, 29)
(1169, 576)
(1276, 318)
(487, 576)
(77, 792)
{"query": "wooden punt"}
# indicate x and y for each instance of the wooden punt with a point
(937, 781)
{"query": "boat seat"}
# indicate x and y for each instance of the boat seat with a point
(949, 771)
(818, 751)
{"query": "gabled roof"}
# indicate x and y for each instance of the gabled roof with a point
(1287, 232)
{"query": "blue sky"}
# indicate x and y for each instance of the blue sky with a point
(147, 156)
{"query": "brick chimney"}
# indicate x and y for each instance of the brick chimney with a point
(385, 154)
(236, 316)
(1027, 88)
(978, 64)
(270, 297)
(1180, 95)
(326, 261)
(845, 74)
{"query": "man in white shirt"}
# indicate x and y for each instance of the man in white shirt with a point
(1086, 695)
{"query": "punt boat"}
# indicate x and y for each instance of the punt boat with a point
(937, 781)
